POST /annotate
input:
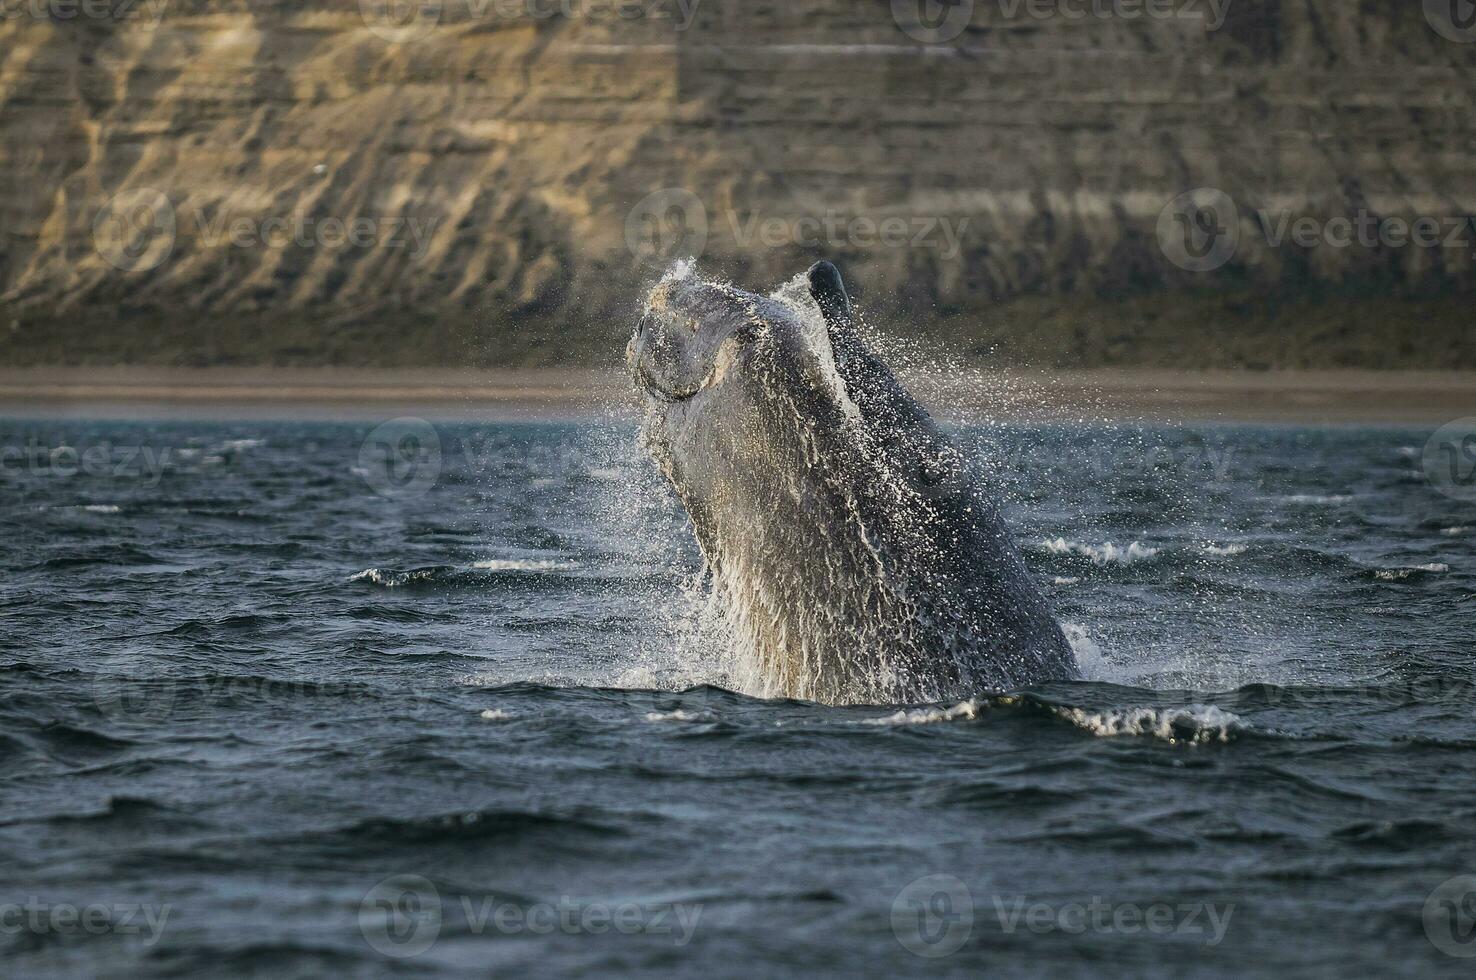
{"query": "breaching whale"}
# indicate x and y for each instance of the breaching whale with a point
(855, 553)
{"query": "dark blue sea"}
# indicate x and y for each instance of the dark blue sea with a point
(305, 699)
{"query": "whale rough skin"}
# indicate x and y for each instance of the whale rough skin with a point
(854, 552)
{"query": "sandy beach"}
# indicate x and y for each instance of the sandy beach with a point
(1346, 397)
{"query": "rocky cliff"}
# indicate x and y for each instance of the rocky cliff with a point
(1073, 181)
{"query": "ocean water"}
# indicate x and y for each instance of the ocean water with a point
(275, 703)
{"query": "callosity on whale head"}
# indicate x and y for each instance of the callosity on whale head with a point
(852, 549)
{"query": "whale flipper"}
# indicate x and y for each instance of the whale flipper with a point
(879, 396)
(829, 291)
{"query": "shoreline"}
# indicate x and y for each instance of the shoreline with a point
(572, 394)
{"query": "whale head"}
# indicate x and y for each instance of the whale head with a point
(733, 385)
(698, 337)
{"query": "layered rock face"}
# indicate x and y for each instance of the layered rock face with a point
(513, 172)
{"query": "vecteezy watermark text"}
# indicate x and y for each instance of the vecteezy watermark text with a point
(940, 21)
(1203, 229)
(38, 918)
(674, 223)
(62, 11)
(144, 464)
(1198, 462)
(136, 230)
(403, 915)
(402, 21)
(935, 916)
(1206, 920)
(835, 230)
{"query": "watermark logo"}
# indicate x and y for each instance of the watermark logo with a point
(277, 232)
(401, 916)
(933, 916)
(401, 458)
(1454, 20)
(400, 21)
(1195, 462)
(1194, 920)
(133, 689)
(1199, 231)
(1450, 917)
(940, 21)
(1364, 229)
(37, 918)
(105, 461)
(833, 230)
(135, 230)
(674, 224)
(62, 11)
(669, 224)
(1449, 459)
(933, 21)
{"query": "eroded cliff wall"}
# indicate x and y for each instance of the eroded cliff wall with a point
(216, 181)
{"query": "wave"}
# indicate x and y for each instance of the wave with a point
(1195, 724)
(238, 445)
(120, 811)
(524, 565)
(1411, 571)
(490, 823)
(479, 573)
(963, 711)
(1317, 499)
(680, 715)
(283, 957)
(113, 554)
(393, 580)
(1103, 554)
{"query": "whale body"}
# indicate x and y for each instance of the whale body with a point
(855, 553)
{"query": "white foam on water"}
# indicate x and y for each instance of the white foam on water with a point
(1225, 551)
(1400, 574)
(1195, 724)
(965, 710)
(496, 714)
(1310, 499)
(1106, 553)
(679, 715)
(389, 580)
(524, 565)
(101, 508)
(1455, 532)
(1065, 580)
